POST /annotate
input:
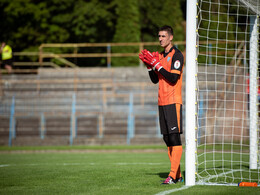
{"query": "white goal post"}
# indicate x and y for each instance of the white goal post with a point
(190, 93)
(222, 92)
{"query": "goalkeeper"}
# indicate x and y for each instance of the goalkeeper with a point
(167, 68)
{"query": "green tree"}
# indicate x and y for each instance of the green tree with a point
(93, 21)
(127, 30)
(26, 24)
(29, 23)
(158, 13)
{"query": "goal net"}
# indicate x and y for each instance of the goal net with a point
(226, 92)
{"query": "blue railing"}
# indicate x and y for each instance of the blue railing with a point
(12, 122)
(75, 114)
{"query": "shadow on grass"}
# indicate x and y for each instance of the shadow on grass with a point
(165, 174)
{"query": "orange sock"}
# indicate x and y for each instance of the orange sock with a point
(175, 158)
(170, 152)
(178, 174)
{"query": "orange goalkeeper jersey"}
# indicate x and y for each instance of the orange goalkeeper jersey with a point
(169, 93)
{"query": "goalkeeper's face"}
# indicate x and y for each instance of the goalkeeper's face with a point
(164, 38)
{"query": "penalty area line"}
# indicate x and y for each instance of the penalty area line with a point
(173, 190)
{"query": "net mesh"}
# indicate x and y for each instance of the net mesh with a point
(223, 58)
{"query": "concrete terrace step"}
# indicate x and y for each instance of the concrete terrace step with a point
(102, 103)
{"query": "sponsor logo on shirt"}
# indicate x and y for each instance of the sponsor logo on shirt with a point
(177, 64)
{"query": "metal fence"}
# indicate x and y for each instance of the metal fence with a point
(84, 106)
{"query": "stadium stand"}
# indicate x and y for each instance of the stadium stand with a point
(98, 99)
(97, 106)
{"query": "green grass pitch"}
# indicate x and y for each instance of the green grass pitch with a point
(94, 170)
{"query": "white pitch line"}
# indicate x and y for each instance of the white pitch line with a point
(138, 163)
(70, 164)
(4, 165)
(79, 164)
(173, 190)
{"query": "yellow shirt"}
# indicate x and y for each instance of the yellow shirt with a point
(7, 53)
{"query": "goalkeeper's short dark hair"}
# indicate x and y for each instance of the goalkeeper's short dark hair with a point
(166, 28)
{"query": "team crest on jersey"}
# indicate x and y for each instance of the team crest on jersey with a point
(177, 64)
(168, 59)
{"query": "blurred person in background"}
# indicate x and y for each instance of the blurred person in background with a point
(7, 57)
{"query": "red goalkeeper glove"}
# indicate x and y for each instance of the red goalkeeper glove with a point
(141, 57)
(152, 60)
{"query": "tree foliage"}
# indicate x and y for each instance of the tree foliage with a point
(158, 13)
(26, 24)
(127, 30)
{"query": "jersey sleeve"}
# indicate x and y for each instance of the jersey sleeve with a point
(177, 63)
(153, 76)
